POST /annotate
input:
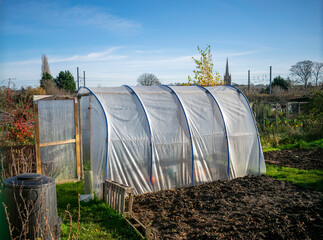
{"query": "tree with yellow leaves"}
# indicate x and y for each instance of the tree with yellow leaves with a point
(205, 75)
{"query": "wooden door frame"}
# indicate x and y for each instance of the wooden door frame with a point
(77, 125)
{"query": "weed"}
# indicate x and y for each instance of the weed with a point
(297, 144)
(312, 179)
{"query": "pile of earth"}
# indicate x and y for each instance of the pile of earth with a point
(297, 158)
(252, 207)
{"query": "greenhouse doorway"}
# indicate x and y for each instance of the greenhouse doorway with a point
(57, 137)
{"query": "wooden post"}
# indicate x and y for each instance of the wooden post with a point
(77, 141)
(80, 136)
(109, 191)
(122, 204)
(37, 140)
(130, 203)
(147, 232)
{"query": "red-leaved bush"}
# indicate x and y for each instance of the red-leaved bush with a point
(17, 125)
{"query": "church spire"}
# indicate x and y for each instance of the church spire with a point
(227, 69)
(227, 75)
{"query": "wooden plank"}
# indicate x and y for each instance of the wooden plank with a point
(36, 119)
(80, 136)
(77, 141)
(108, 193)
(139, 233)
(53, 97)
(117, 199)
(83, 95)
(144, 232)
(111, 196)
(114, 196)
(122, 204)
(56, 143)
(130, 203)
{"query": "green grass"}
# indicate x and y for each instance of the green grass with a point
(299, 144)
(97, 220)
(312, 179)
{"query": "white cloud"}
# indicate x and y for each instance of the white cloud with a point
(91, 57)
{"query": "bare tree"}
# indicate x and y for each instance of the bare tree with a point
(44, 66)
(148, 79)
(317, 71)
(303, 70)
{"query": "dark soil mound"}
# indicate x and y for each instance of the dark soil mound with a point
(244, 208)
(297, 158)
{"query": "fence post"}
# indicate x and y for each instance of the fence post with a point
(130, 202)
(37, 143)
(123, 192)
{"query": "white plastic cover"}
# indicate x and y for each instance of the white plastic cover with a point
(153, 131)
(56, 123)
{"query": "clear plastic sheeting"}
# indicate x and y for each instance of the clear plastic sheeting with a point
(172, 158)
(56, 123)
(59, 161)
(246, 155)
(208, 134)
(85, 131)
(52, 115)
(163, 137)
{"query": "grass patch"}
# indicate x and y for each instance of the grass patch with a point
(298, 144)
(97, 221)
(312, 179)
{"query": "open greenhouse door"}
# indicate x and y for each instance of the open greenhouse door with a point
(57, 137)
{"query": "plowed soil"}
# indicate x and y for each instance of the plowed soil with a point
(297, 158)
(252, 207)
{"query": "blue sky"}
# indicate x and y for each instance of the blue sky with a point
(116, 41)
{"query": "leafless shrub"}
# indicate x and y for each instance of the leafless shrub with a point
(71, 223)
(51, 88)
(17, 160)
(278, 90)
(79, 217)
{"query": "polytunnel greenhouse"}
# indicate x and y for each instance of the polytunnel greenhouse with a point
(163, 137)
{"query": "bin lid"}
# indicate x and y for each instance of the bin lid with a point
(28, 180)
(29, 176)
